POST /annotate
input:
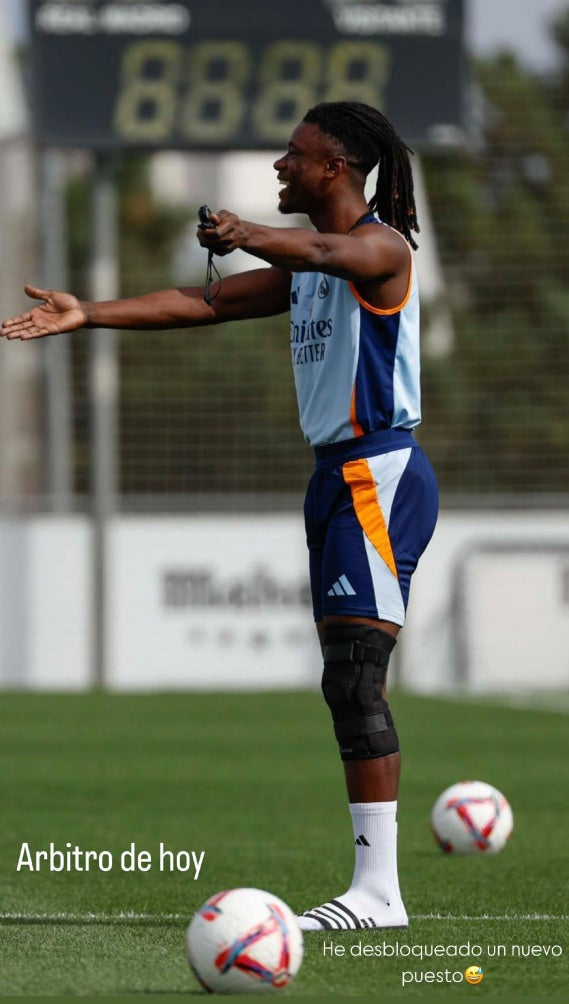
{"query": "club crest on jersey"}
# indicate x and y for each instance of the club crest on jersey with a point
(323, 288)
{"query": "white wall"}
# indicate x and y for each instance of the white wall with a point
(45, 603)
(210, 601)
(222, 601)
(489, 609)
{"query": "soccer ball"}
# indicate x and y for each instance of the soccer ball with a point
(472, 817)
(244, 941)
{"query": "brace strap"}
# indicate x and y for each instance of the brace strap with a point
(361, 727)
(356, 651)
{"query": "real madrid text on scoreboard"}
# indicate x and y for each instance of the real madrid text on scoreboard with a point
(239, 74)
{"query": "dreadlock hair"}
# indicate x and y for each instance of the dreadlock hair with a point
(367, 138)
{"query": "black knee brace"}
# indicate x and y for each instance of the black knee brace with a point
(355, 667)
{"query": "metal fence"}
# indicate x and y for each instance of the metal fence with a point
(208, 418)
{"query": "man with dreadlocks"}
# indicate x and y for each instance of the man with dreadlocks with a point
(372, 502)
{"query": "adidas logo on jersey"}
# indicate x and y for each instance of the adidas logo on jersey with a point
(342, 587)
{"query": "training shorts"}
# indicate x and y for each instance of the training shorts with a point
(370, 511)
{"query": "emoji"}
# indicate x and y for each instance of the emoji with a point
(474, 975)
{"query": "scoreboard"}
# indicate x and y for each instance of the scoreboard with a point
(239, 74)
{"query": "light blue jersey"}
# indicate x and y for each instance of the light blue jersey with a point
(356, 368)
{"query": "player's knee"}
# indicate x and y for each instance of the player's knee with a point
(355, 666)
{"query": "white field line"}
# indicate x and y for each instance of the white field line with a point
(157, 918)
(95, 917)
(490, 916)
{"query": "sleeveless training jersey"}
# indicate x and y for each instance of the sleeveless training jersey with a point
(356, 368)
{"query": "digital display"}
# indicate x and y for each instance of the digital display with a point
(217, 74)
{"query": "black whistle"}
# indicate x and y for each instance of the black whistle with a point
(206, 222)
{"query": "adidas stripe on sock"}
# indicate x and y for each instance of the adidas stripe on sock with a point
(373, 899)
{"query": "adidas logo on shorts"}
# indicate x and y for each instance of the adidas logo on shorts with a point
(342, 587)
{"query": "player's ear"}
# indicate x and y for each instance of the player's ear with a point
(335, 166)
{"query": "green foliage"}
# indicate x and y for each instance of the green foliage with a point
(148, 231)
(497, 411)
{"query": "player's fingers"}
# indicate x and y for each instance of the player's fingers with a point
(36, 293)
(26, 333)
(23, 323)
(222, 230)
(15, 322)
(228, 224)
(19, 325)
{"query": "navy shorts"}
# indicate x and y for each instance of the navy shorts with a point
(370, 511)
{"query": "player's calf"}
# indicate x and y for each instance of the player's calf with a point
(356, 658)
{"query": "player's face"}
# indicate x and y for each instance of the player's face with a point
(302, 169)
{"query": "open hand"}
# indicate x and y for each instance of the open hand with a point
(60, 312)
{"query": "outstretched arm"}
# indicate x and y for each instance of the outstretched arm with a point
(260, 293)
(369, 253)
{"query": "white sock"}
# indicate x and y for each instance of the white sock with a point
(373, 899)
(375, 837)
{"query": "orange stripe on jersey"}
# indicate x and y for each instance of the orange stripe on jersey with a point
(358, 476)
(358, 431)
(392, 310)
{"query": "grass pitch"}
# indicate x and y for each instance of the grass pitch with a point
(254, 781)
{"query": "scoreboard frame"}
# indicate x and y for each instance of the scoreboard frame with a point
(215, 75)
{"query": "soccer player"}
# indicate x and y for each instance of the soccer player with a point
(349, 283)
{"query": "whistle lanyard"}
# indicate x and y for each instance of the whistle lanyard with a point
(209, 279)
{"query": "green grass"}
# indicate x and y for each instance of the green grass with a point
(255, 782)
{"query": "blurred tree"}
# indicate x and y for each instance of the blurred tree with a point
(497, 408)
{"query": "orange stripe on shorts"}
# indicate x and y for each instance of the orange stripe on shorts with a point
(358, 476)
